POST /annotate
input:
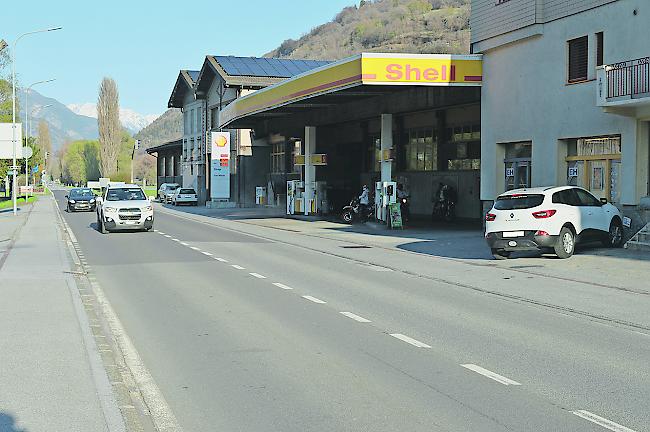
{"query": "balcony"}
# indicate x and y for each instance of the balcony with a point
(624, 88)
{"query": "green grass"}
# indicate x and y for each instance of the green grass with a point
(150, 191)
(20, 201)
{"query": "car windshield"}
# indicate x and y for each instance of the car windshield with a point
(187, 191)
(172, 187)
(518, 201)
(125, 194)
(81, 193)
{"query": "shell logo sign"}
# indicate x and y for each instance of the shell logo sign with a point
(422, 70)
(220, 165)
(221, 141)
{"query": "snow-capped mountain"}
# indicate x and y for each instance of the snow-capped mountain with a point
(131, 120)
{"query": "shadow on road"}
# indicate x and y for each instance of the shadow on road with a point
(8, 423)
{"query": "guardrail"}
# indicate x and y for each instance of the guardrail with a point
(630, 78)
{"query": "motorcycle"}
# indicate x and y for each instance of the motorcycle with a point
(356, 212)
(444, 208)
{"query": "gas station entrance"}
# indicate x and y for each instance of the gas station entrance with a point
(380, 120)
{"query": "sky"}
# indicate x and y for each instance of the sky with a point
(142, 44)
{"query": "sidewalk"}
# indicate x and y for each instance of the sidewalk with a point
(50, 378)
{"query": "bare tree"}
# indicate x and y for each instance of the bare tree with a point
(45, 142)
(108, 121)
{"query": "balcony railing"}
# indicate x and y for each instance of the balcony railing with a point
(630, 79)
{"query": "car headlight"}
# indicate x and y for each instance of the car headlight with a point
(147, 208)
(92, 200)
(72, 201)
(110, 209)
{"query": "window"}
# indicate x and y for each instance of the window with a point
(191, 122)
(594, 164)
(373, 161)
(421, 150)
(567, 197)
(277, 158)
(463, 148)
(214, 118)
(518, 202)
(578, 59)
(587, 199)
(600, 49)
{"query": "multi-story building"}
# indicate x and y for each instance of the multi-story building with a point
(193, 162)
(565, 96)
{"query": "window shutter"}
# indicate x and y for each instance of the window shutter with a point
(578, 59)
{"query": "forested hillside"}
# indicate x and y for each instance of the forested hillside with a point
(411, 26)
(167, 127)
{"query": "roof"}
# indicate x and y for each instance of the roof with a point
(542, 190)
(166, 146)
(367, 74)
(185, 81)
(251, 72)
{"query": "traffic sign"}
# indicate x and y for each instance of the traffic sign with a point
(27, 152)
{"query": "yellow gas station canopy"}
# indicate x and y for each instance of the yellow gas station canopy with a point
(368, 69)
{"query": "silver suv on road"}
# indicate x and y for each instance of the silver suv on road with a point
(124, 207)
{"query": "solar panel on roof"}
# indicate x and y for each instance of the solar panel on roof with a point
(265, 67)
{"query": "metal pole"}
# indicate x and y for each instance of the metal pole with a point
(13, 106)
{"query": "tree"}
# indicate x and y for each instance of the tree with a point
(110, 130)
(45, 143)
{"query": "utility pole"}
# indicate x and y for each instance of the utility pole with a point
(136, 146)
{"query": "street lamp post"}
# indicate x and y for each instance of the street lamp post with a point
(26, 105)
(13, 102)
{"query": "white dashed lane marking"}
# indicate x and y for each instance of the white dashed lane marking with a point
(281, 285)
(601, 421)
(184, 244)
(238, 267)
(313, 299)
(206, 253)
(257, 275)
(355, 317)
(176, 240)
(168, 236)
(221, 260)
(410, 340)
(195, 248)
(489, 374)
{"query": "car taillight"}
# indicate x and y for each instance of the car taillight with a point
(542, 233)
(544, 214)
(490, 217)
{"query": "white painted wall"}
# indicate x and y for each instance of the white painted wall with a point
(525, 97)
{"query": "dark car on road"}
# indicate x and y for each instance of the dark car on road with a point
(81, 199)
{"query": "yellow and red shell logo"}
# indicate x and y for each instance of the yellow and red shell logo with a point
(221, 141)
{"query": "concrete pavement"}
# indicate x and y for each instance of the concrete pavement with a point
(245, 327)
(50, 370)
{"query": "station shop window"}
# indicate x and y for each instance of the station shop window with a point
(595, 164)
(463, 148)
(277, 158)
(518, 165)
(421, 150)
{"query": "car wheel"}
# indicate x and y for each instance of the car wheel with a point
(614, 238)
(566, 244)
(500, 254)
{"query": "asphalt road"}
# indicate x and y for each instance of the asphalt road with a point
(246, 334)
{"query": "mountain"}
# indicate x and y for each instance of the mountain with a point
(131, 120)
(411, 26)
(64, 124)
(167, 127)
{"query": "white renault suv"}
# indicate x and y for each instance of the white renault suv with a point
(124, 207)
(550, 219)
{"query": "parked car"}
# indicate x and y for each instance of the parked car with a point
(124, 207)
(80, 199)
(550, 219)
(166, 190)
(185, 196)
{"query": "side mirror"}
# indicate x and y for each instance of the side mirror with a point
(603, 201)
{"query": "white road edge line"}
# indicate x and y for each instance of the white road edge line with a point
(257, 275)
(238, 267)
(206, 253)
(600, 421)
(489, 374)
(355, 317)
(281, 285)
(220, 259)
(410, 340)
(313, 299)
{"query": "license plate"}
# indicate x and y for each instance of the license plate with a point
(131, 222)
(513, 234)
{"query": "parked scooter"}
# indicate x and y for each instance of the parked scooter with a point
(355, 212)
(444, 206)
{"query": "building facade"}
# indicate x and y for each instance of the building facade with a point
(566, 96)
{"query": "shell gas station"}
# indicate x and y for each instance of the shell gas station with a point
(372, 119)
